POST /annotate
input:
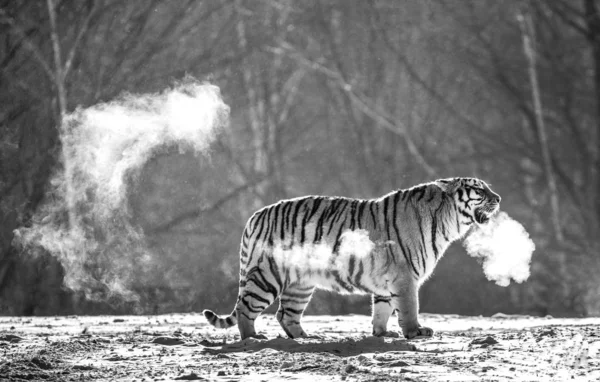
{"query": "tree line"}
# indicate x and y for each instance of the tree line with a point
(327, 97)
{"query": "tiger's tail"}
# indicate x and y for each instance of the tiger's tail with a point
(218, 322)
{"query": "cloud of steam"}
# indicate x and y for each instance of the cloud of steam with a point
(505, 248)
(320, 256)
(85, 221)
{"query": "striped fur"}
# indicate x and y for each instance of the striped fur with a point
(386, 247)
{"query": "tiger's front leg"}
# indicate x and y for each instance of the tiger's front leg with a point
(407, 301)
(382, 310)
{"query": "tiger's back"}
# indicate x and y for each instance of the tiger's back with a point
(386, 247)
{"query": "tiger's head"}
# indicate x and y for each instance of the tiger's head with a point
(474, 199)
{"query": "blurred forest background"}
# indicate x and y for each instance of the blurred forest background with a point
(352, 98)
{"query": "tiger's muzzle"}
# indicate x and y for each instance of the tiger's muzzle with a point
(487, 211)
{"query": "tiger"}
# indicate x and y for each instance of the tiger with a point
(387, 247)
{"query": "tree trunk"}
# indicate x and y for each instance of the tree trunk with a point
(61, 93)
(592, 18)
(528, 42)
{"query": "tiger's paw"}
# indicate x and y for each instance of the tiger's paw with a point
(259, 337)
(388, 334)
(313, 337)
(422, 332)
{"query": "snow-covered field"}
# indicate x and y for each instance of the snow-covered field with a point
(183, 347)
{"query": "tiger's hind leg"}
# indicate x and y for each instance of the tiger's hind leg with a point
(257, 292)
(292, 302)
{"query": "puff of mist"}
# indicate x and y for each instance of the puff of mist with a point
(106, 142)
(320, 256)
(85, 221)
(505, 248)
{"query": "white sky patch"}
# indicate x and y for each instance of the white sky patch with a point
(505, 248)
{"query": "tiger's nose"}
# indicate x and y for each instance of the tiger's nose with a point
(497, 199)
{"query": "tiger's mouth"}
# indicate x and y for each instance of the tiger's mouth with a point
(481, 217)
(485, 213)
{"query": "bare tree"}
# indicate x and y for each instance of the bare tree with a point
(528, 46)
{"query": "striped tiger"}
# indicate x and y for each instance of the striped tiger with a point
(386, 247)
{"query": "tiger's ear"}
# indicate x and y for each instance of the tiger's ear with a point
(449, 185)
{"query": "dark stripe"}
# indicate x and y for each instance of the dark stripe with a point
(315, 207)
(286, 300)
(256, 297)
(262, 283)
(423, 244)
(229, 321)
(257, 238)
(268, 228)
(297, 294)
(434, 216)
(457, 218)
(296, 287)
(434, 235)
(259, 218)
(336, 275)
(251, 307)
(444, 231)
(319, 225)
(275, 219)
(337, 215)
(334, 206)
(209, 315)
(287, 277)
(358, 277)
(337, 237)
(269, 231)
(351, 265)
(287, 209)
(294, 216)
(389, 259)
(245, 315)
(419, 193)
(353, 205)
(378, 299)
(275, 272)
(463, 213)
(405, 251)
(284, 221)
(297, 312)
(308, 216)
(385, 217)
(361, 211)
(431, 195)
(373, 214)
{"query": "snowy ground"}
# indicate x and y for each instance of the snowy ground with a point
(183, 347)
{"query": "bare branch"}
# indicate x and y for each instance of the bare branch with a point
(58, 68)
(82, 31)
(37, 54)
(382, 118)
(192, 214)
